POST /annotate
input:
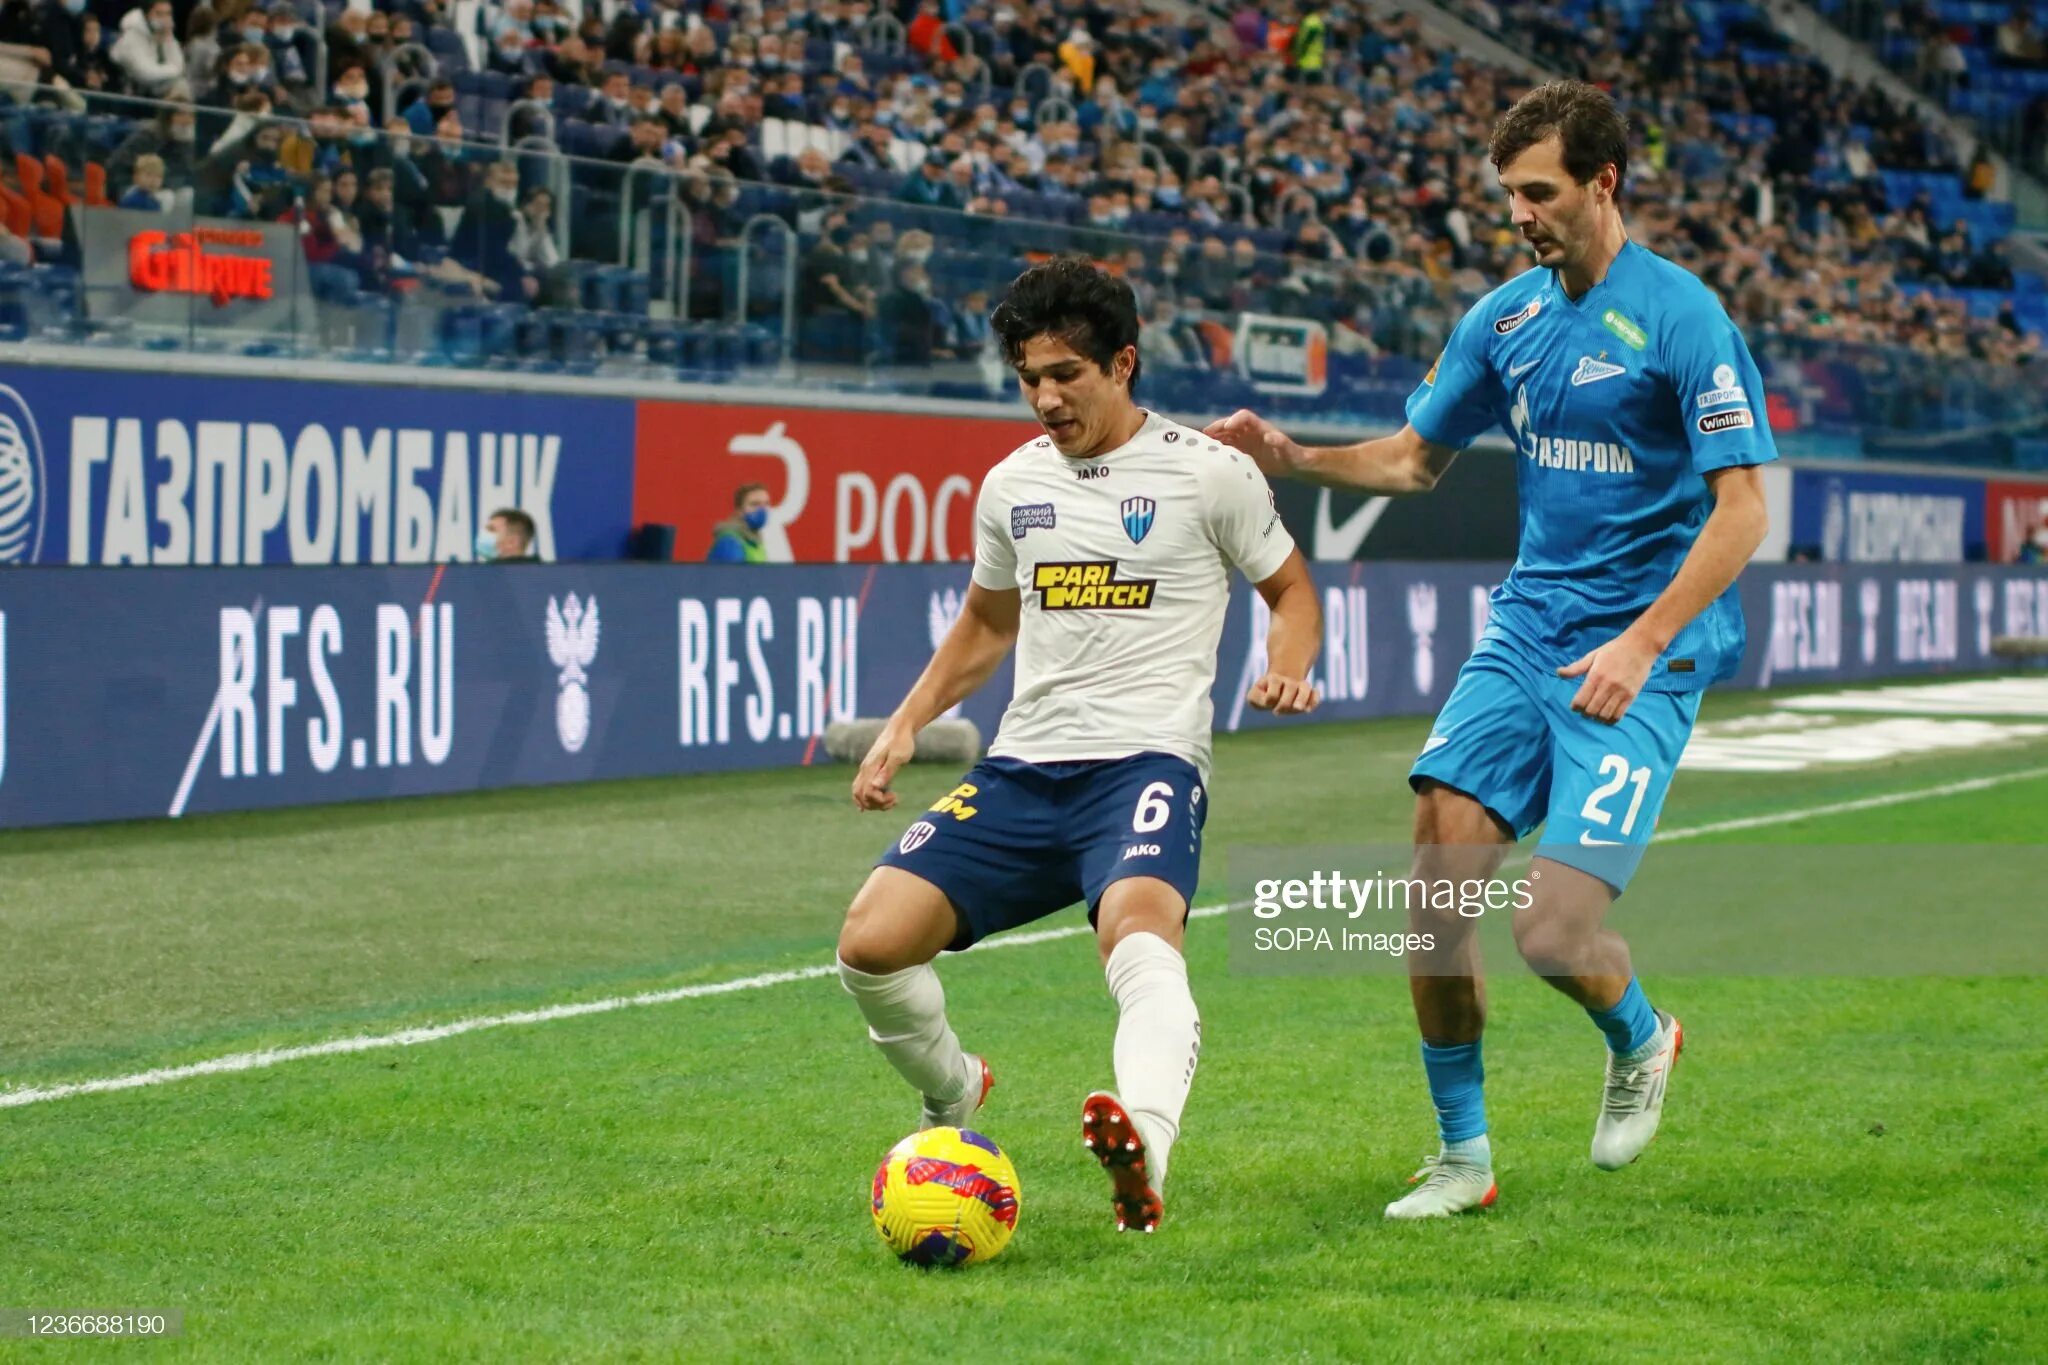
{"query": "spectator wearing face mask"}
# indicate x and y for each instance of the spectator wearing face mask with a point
(510, 54)
(292, 53)
(148, 52)
(506, 538)
(912, 327)
(169, 138)
(352, 92)
(737, 539)
(425, 114)
(613, 107)
(203, 40)
(2035, 550)
(483, 239)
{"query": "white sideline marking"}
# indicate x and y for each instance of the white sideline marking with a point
(334, 1047)
(1975, 784)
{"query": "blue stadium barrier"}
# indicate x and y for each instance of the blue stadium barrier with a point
(180, 691)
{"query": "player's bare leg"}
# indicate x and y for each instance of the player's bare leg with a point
(1456, 839)
(1564, 938)
(1139, 926)
(897, 924)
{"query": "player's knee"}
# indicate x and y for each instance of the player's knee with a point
(866, 941)
(1139, 905)
(1447, 817)
(894, 923)
(1552, 945)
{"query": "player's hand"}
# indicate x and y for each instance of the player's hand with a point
(1614, 675)
(1284, 696)
(890, 751)
(1271, 450)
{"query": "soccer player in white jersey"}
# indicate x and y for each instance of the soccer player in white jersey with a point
(1102, 553)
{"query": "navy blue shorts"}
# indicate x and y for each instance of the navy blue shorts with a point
(1016, 841)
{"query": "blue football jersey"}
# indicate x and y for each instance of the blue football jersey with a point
(1618, 403)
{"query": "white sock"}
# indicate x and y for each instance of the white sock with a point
(1477, 1151)
(906, 1014)
(1158, 1038)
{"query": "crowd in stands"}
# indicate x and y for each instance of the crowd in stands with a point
(1285, 158)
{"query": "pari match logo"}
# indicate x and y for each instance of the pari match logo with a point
(1089, 585)
(24, 482)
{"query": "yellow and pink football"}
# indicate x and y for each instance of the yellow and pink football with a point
(946, 1196)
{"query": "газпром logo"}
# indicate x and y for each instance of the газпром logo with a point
(23, 482)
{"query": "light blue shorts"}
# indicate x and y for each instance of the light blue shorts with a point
(1508, 738)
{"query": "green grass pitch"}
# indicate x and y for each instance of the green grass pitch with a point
(1850, 1167)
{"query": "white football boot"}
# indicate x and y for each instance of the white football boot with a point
(955, 1113)
(1445, 1185)
(1633, 1100)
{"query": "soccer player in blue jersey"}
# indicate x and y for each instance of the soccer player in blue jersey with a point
(1638, 420)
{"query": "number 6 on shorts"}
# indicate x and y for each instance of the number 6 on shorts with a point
(1154, 808)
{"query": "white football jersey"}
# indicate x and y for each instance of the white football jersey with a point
(1124, 564)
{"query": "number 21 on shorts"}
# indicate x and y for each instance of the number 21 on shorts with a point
(1616, 770)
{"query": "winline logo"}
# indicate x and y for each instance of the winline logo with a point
(179, 263)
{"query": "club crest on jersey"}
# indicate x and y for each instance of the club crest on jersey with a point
(1089, 585)
(914, 838)
(1138, 517)
(1029, 516)
(1502, 326)
(1592, 371)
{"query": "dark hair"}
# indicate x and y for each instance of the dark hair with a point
(739, 495)
(1072, 299)
(516, 519)
(1582, 117)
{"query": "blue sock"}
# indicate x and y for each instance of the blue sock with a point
(1457, 1080)
(1631, 1023)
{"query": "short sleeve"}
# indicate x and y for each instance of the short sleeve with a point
(1244, 520)
(995, 549)
(1722, 395)
(1454, 404)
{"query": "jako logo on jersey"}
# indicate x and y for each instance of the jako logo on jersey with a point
(1602, 457)
(1090, 585)
(1725, 389)
(1138, 517)
(1592, 371)
(1091, 471)
(22, 482)
(914, 838)
(1030, 516)
(1142, 851)
(1503, 326)
(572, 646)
(1711, 422)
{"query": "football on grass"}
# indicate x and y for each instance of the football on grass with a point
(946, 1196)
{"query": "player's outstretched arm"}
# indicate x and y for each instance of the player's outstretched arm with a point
(971, 651)
(1401, 463)
(1291, 643)
(1615, 673)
